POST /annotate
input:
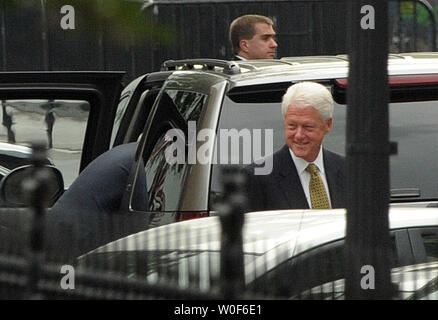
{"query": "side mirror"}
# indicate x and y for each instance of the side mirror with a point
(11, 186)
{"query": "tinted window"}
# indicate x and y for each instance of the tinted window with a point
(264, 117)
(189, 104)
(166, 180)
(121, 108)
(431, 246)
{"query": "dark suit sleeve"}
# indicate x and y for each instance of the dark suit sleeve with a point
(85, 216)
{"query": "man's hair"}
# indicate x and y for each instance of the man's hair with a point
(309, 94)
(243, 28)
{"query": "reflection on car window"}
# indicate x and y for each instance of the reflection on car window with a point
(164, 180)
(314, 267)
(121, 108)
(189, 104)
(431, 246)
(242, 117)
(60, 123)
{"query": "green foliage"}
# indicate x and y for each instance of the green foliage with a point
(423, 16)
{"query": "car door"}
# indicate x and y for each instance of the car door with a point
(72, 112)
(176, 190)
(134, 106)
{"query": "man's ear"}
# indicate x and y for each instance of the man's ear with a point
(329, 123)
(243, 44)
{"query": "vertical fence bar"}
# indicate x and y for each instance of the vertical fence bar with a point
(231, 212)
(36, 189)
(368, 149)
(45, 35)
(3, 33)
(101, 25)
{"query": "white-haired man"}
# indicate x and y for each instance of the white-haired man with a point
(304, 174)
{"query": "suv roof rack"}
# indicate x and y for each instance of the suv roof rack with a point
(229, 67)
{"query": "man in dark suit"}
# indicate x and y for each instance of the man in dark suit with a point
(253, 37)
(87, 215)
(307, 109)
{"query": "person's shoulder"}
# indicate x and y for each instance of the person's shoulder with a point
(271, 159)
(236, 58)
(333, 155)
(120, 156)
(334, 159)
(126, 150)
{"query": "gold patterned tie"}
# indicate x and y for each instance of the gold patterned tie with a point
(318, 194)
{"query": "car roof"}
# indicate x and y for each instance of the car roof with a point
(286, 69)
(264, 230)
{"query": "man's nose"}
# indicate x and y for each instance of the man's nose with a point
(299, 134)
(274, 43)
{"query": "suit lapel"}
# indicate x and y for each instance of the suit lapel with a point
(289, 181)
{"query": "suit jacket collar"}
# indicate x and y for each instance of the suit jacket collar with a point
(239, 58)
(288, 179)
(290, 184)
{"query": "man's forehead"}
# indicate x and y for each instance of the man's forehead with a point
(263, 28)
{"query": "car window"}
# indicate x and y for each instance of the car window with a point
(314, 267)
(121, 108)
(165, 180)
(431, 246)
(189, 104)
(245, 117)
(412, 126)
(424, 243)
(61, 124)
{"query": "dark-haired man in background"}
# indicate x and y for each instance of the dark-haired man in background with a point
(253, 37)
